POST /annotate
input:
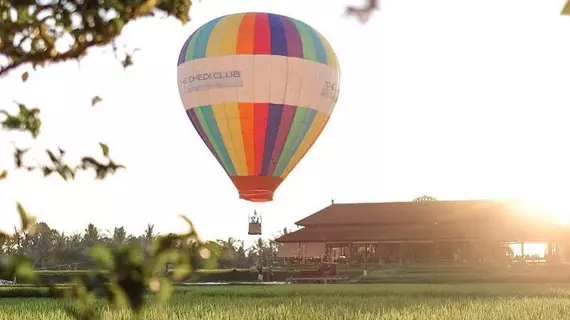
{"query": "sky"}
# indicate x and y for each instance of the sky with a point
(455, 99)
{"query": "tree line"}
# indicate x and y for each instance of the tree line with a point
(50, 249)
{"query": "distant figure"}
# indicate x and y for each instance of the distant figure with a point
(270, 274)
(260, 273)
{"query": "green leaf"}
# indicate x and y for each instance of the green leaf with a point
(51, 156)
(3, 237)
(165, 291)
(24, 270)
(95, 100)
(120, 298)
(105, 149)
(3, 174)
(181, 271)
(191, 232)
(25, 220)
(47, 171)
(102, 256)
(566, 9)
(35, 64)
(25, 76)
(128, 61)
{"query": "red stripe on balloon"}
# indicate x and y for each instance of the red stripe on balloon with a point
(262, 39)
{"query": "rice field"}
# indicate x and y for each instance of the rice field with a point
(351, 301)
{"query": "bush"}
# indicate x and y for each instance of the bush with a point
(49, 277)
(30, 292)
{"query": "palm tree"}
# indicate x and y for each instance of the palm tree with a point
(119, 235)
(149, 234)
(229, 244)
(92, 234)
(148, 237)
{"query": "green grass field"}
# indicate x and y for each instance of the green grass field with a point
(307, 302)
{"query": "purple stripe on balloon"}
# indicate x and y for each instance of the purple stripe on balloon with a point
(294, 44)
(287, 116)
(198, 126)
(273, 122)
(182, 56)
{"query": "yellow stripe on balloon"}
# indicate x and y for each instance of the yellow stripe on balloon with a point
(219, 111)
(238, 158)
(315, 130)
(215, 39)
(228, 45)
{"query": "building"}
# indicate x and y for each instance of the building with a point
(464, 231)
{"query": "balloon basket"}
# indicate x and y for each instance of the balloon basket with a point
(254, 226)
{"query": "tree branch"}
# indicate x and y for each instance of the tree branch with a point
(364, 12)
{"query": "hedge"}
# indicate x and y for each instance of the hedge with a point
(411, 274)
(30, 292)
(230, 275)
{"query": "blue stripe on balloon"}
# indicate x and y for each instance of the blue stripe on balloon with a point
(278, 37)
(203, 37)
(210, 119)
(319, 47)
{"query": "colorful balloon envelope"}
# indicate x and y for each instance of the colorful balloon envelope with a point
(259, 89)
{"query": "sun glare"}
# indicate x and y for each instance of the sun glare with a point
(549, 207)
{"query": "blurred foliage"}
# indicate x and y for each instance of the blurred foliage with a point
(37, 33)
(364, 11)
(566, 9)
(65, 171)
(123, 274)
(40, 32)
(50, 249)
(18, 265)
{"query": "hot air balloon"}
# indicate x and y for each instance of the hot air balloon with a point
(259, 89)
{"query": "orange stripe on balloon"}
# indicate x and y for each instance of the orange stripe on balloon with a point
(260, 113)
(246, 117)
(245, 34)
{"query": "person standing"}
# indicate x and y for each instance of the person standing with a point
(260, 273)
(270, 274)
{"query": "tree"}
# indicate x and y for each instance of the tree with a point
(364, 12)
(91, 236)
(149, 233)
(119, 236)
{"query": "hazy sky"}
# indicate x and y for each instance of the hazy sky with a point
(456, 99)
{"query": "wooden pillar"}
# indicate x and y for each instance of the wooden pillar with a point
(435, 252)
(522, 252)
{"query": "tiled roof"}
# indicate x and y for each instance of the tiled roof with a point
(416, 212)
(442, 231)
